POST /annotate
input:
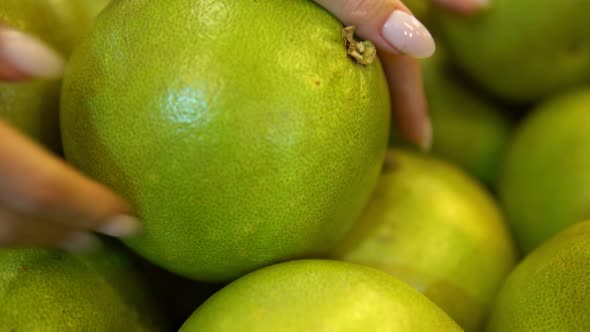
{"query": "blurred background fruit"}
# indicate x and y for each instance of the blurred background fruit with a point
(33, 106)
(95, 6)
(233, 166)
(420, 8)
(545, 183)
(522, 51)
(437, 229)
(318, 295)
(50, 290)
(231, 162)
(467, 129)
(550, 289)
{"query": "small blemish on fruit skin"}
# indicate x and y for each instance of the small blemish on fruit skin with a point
(317, 82)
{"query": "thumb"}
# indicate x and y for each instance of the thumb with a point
(23, 56)
(387, 23)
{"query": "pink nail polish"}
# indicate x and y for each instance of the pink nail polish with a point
(405, 33)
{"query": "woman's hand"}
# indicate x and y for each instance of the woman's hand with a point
(23, 57)
(400, 39)
(44, 202)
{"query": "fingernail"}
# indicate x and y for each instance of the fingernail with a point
(80, 242)
(405, 33)
(121, 226)
(29, 55)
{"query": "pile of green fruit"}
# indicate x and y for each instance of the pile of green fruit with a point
(259, 157)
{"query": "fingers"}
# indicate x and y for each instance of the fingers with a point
(21, 231)
(36, 184)
(465, 7)
(387, 23)
(395, 32)
(408, 98)
(43, 203)
(23, 57)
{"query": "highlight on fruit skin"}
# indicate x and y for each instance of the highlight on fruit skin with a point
(434, 227)
(550, 289)
(544, 184)
(318, 295)
(231, 162)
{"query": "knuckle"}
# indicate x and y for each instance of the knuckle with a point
(357, 10)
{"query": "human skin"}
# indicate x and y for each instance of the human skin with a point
(44, 202)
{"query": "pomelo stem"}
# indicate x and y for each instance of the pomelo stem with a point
(363, 52)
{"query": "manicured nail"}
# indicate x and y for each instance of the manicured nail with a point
(405, 33)
(29, 56)
(80, 242)
(121, 226)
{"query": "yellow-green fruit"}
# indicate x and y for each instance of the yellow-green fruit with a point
(435, 228)
(95, 6)
(467, 129)
(49, 290)
(33, 106)
(523, 57)
(240, 140)
(550, 289)
(318, 295)
(545, 181)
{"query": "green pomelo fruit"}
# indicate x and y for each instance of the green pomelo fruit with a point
(33, 106)
(240, 140)
(467, 129)
(318, 295)
(95, 6)
(545, 181)
(550, 289)
(523, 50)
(435, 228)
(49, 290)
